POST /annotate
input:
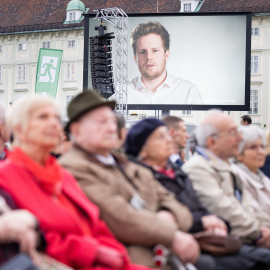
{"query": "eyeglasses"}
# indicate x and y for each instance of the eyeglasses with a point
(256, 147)
(232, 133)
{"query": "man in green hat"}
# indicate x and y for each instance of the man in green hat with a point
(138, 210)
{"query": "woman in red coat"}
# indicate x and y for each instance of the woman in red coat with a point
(73, 231)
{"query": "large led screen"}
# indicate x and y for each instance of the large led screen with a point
(187, 61)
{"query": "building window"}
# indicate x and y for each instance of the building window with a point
(70, 70)
(186, 112)
(254, 64)
(46, 45)
(255, 31)
(22, 47)
(71, 43)
(187, 7)
(72, 16)
(254, 102)
(69, 97)
(21, 73)
(1, 48)
(1, 72)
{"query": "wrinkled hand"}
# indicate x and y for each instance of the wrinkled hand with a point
(18, 226)
(166, 215)
(185, 247)
(264, 241)
(214, 224)
(110, 257)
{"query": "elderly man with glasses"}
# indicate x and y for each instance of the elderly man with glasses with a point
(218, 187)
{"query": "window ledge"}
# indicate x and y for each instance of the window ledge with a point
(69, 88)
(70, 80)
(20, 90)
(255, 74)
(21, 82)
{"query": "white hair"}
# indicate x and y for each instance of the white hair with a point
(250, 134)
(23, 108)
(203, 132)
(2, 114)
(206, 130)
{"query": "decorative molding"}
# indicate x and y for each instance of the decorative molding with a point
(69, 88)
(40, 36)
(33, 36)
(260, 21)
(20, 90)
(256, 82)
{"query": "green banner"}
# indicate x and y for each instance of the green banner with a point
(48, 69)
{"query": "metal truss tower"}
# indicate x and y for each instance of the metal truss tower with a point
(119, 19)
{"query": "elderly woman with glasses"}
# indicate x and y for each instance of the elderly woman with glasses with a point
(249, 160)
(73, 231)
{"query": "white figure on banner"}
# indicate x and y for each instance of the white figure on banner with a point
(48, 69)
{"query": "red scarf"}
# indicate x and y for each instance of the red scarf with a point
(168, 172)
(49, 176)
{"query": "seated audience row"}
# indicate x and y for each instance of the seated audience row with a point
(200, 211)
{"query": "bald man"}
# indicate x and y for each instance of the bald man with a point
(217, 187)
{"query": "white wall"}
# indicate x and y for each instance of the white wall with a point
(10, 57)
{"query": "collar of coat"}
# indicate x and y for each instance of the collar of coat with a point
(119, 159)
(179, 174)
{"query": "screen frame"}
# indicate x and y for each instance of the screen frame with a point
(245, 107)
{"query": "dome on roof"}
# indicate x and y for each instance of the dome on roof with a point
(76, 4)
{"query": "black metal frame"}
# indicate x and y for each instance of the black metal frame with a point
(245, 107)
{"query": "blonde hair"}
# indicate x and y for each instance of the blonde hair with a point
(268, 142)
(22, 110)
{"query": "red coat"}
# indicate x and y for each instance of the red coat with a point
(65, 239)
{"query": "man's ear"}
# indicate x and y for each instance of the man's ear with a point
(211, 141)
(135, 58)
(167, 55)
(75, 129)
(171, 132)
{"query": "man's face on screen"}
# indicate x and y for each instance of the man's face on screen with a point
(150, 56)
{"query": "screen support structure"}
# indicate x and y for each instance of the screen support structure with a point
(119, 19)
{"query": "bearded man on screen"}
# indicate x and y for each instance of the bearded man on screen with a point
(150, 42)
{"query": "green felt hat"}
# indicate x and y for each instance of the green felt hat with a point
(83, 103)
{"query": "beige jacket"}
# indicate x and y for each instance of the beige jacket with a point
(213, 182)
(257, 189)
(112, 190)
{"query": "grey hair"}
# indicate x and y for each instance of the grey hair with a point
(250, 134)
(203, 132)
(2, 114)
(23, 108)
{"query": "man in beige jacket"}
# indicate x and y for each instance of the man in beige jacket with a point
(138, 210)
(216, 185)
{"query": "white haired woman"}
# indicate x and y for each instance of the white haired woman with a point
(73, 231)
(249, 160)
